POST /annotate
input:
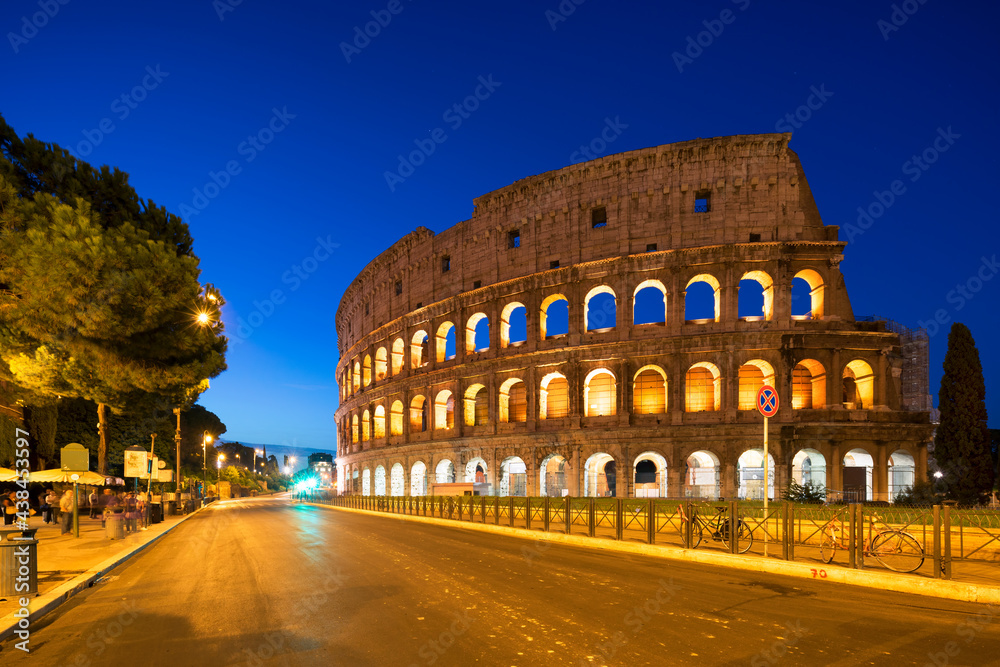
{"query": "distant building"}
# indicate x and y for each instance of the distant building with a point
(322, 463)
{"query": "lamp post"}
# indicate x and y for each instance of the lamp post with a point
(256, 453)
(205, 439)
(222, 457)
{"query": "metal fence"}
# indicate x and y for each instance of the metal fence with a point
(940, 536)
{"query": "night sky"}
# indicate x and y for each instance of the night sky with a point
(270, 128)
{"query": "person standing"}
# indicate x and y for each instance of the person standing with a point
(52, 502)
(9, 508)
(131, 512)
(43, 506)
(92, 500)
(66, 511)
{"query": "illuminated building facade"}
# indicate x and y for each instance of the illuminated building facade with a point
(603, 329)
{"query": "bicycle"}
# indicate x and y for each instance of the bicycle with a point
(895, 549)
(718, 529)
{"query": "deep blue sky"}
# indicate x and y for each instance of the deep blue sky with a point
(322, 176)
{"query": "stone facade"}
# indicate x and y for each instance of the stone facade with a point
(669, 402)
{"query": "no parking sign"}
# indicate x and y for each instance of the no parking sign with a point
(767, 401)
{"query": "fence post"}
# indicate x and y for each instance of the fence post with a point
(567, 509)
(784, 530)
(791, 531)
(592, 518)
(619, 518)
(510, 511)
(860, 543)
(546, 516)
(496, 510)
(688, 525)
(484, 509)
(851, 517)
(946, 539)
(734, 547)
(527, 512)
(937, 542)
(651, 521)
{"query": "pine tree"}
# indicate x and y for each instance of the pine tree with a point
(95, 308)
(962, 441)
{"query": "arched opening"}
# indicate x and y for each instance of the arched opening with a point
(858, 465)
(357, 376)
(418, 349)
(649, 391)
(750, 469)
(513, 401)
(476, 404)
(702, 299)
(379, 421)
(381, 365)
(398, 347)
(599, 393)
(475, 470)
(901, 473)
(513, 477)
(354, 429)
(809, 468)
(397, 480)
(355, 488)
(599, 478)
(552, 477)
(366, 426)
(650, 470)
(703, 388)
(418, 414)
(396, 418)
(477, 333)
(444, 473)
(859, 385)
(366, 482)
(807, 295)
(649, 303)
(600, 309)
(553, 397)
(808, 385)
(418, 479)
(379, 480)
(701, 475)
(445, 340)
(513, 325)
(367, 373)
(553, 318)
(348, 381)
(753, 375)
(756, 297)
(444, 410)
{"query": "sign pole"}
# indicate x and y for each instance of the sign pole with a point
(767, 405)
(76, 510)
(766, 479)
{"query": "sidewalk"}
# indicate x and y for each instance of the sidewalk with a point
(67, 565)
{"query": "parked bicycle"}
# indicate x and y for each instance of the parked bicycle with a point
(895, 549)
(718, 529)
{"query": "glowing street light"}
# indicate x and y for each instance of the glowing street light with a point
(222, 457)
(205, 440)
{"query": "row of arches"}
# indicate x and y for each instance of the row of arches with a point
(702, 303)
(702, 393)
(701, 476)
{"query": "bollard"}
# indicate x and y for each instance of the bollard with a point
(946, 541)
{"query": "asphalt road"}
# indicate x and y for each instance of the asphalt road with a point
(266, 582)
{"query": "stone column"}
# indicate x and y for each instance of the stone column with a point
(835, 470)
(835, 382)
(880, 473)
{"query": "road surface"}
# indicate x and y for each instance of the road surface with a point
(268, 582)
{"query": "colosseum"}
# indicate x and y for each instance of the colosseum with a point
(603, 329)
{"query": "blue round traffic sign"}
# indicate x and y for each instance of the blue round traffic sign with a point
(767, 401)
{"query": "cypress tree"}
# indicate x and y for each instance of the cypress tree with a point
(962, 441)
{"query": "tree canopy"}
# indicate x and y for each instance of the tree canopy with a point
(962, 441)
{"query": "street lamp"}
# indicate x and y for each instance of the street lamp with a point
(205, 440)
(257, 453)
(222, 457)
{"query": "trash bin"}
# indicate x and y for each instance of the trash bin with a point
(169, 508)
(114, 526)
(18, 562)
(155, 513)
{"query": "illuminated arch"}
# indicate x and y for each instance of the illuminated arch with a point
(858, 385)
(506, 316)
(476, 471)
(444, 410)
(902, 467)
(445, 339)
(444, 472)
(763, 279)
(357, 375)
(513, 477)
(513, 401)
(381, 365)
(702, 475)
(366, 482)
(418, 414)
(354, 429)
(809, 468)
(367, 373)
(650, 484)
(366, 426)
(599, 393)
(552, 476)
(418, 349)
(808, 385)
(854, 459)
(418, 479)
(817, 292)
(750, 468)
(478, 327)
(379, 480)
(600, 477)
(553, 397)
(396, 418)
(398, 348)
(712, 282)
(379, 425)
(753, 375)
(644, 292)
(397, 480)
(606, 310)
(476, 405)
(649, 391)
(543, 316)
(703, 388)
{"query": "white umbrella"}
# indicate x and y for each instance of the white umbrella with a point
(60, 475)
(7, 475)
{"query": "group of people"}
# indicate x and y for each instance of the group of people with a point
(54, 508)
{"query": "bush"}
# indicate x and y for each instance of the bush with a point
(808, 493)
(921, 494)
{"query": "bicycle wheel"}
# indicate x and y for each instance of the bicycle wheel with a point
(827, 549)
(898, 551)
(744, 536)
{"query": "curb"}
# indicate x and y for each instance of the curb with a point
(47, 602)
(898, 583)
